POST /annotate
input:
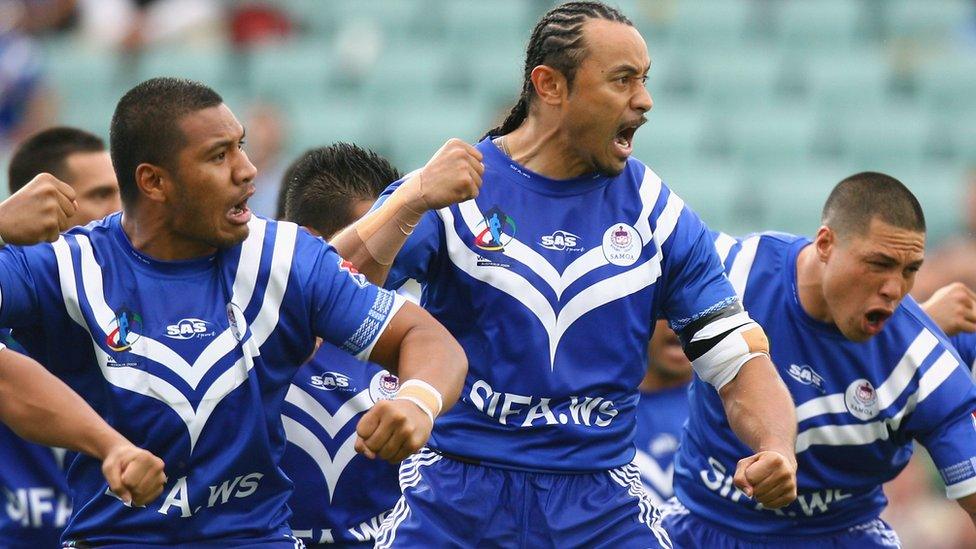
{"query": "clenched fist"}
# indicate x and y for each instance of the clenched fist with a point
(38, 212)
(133, 474)
(768, 477)
(392, 430)
(953, 308)
(451, 176)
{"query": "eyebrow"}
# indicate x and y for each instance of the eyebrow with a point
(225, 142)
(888, 259)
(629, 69)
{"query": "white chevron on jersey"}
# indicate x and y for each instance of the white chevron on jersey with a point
(153, 386)
(900, 377)
(596, 295)
(866, 433)
(742, 264)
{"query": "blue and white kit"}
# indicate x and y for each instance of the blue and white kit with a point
(860, 406)
(190, 360)
(340, 496)
(661, 415)
(36, 503)
(552, 287)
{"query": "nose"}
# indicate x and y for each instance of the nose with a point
(893, 288)
(246, 172)
(642, 100)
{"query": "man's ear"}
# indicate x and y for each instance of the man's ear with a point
(151, 180)
(550, 85)
(825, 242)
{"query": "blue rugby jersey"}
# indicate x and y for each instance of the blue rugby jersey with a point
(660, 417)
(340, 496)
(190, 360)
(859, 406)
(552, 288)
(965, 344)
(35, 503)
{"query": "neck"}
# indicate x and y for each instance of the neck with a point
(809, 284)
(657, 381)
(545, 149)
(151, 234)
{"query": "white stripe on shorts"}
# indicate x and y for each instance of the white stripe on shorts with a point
(409, 477)
(628, 477)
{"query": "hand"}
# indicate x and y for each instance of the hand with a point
(133, 474)
(953, 308)
(38, 212)
(451, 176)
(769, 477)
(392, 430)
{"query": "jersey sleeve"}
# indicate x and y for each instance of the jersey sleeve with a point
(965, 344)
(346, 309)
(944, 423)
(419, 251)
(695, 282)
(717, 335)
(18, 294)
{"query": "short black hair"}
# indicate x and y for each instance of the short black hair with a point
(322, 184)
(857, 200)
(47, 151)
(556, 41)
(145, 126)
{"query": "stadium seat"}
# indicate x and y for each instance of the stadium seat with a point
(210, 66)
(877, 138)
(949, 83)
(730, 81)
(827, 25)
(672, 136)
(772, 136)
(414, 131)
(711, 26)
(857, 80)
(713, 191)
(928, 21)
(291, 68)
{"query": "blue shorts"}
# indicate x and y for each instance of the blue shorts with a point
(288, 542)
(450, 503)
(689, 531)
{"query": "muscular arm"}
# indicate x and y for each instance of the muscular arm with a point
(451, 176)
(416, 347)
(968, 504)
(41, 408)
(762, 414)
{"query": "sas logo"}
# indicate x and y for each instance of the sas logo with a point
(126, 324)
(331, 381)
(357, 277)
(499, 230)
(805, 375)
(561, 241)
(622, 245)
(190, 328)
(862, 400)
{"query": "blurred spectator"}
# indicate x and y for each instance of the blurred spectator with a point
(920, 513)
(255, 23)
(25, 104)
(956, 259)
(264, 130)
(42, 16)
(134, 24)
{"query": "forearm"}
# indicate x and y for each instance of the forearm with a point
(430, 354)
(759, 408)
(41, 408)
(352, 248)
(372, 243)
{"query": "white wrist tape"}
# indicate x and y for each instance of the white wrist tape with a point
(424, 395)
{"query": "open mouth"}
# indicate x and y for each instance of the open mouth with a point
(624, 140)
(240, 214)
(875, 320)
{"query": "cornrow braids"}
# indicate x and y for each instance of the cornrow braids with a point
(556, 41)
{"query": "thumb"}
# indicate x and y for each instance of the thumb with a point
(113, 470)
(368, 424)
(363, 449)
(740, 480)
